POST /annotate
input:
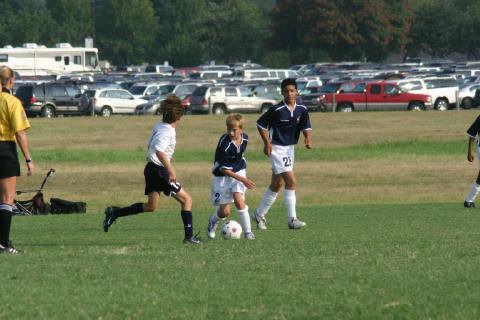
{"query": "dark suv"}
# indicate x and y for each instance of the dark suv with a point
(50, 99)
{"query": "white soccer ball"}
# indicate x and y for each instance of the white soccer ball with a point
(231, 230)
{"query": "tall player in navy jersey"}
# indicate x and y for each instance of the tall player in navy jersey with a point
(473, 134)
(230, 182)
(280, 129)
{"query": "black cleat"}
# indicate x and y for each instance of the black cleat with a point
(10, 249)
(467, 204)
(110, 218)
(193, 240)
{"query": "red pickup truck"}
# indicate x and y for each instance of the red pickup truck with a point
(378, 95)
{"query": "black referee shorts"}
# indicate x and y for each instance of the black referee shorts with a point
(156, 179)
(9, 165)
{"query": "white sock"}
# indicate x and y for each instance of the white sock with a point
(214, 217)
(245, 219)
(290, 202)
(473, 192)
(268, 199)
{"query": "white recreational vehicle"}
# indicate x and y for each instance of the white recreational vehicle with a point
(37, 60)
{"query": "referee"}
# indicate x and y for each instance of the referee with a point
(13, 123)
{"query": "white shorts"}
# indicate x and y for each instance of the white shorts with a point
(478, 156)
(223, 188)
(282, 158)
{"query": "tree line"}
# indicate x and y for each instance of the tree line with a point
(275, 33)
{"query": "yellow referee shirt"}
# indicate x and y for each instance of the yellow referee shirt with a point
(12, 117)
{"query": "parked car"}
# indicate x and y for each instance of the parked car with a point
(226, 99)
(142, 89)
(110, 101)
(181, 90)
(466, 95)
(50, 99)
(160, 69)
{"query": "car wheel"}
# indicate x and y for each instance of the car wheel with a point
(106, 112)
(48, 112)
(265, 108)
(441, 104)
(219, 110)
(467, 103)
(345, 108)
(416, 106)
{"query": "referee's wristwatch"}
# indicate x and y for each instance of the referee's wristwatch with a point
(28, 160)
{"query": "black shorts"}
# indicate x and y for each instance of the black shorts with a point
(156, 179)
(9, 165)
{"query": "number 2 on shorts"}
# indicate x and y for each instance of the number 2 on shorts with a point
(287, 161)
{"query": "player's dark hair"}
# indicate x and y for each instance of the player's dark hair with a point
(288, 82)
(172, 109)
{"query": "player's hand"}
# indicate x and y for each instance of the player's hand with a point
(267, 149)
(470, 157)
(249, 183)
(308, 144)
(172, 175)
(31, 168)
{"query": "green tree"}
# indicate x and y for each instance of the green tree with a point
(71, 21)
(125, 32)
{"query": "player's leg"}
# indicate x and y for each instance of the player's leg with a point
(7, 194)
(242, 210)
(222, 212)
(268, 199)
(291, 200)
(474, 190)
(185, 201)
(113, 213)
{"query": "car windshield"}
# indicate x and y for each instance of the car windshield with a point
(164, 90)
(137, 89)
(330, 88)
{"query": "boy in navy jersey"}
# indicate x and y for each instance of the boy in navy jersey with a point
(473, 134)
(160, 175)
(230, 181)
(280, 129)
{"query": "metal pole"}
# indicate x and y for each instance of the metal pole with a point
(457, 103)
(334, 99)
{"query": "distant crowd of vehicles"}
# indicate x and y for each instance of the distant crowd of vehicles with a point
(68, 81)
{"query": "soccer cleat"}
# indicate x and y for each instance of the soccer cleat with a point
(110, 218)
(296, 224)
(249, 236)
(468, 204)
(10, 249)
(192, 240)
(211, 229)
(260, 220)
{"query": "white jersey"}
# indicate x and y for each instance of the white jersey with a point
(163, 139)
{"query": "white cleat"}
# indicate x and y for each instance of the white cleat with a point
(211, 229)
(296, 224)
(249, 236)
(260, 220)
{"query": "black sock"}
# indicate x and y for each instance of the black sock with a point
(5, 223)
(135, 208)
(187, 223)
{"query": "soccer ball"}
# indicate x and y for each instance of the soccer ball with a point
(231, 230)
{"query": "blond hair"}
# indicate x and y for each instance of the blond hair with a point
(172, 109)
(235, 119)
(6, 74)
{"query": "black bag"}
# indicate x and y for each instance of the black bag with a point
(58, 206)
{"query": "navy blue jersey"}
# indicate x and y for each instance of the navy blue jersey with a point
(285, 125)
(229, 156)
(474, 129)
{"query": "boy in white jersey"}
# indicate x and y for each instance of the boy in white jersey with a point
(160, 175)
(280, 129)
(229, 182)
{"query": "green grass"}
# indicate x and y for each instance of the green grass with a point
(382, 193)
(387, 261)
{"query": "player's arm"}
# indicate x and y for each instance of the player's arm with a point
(246, 181)
(21, 137)
(471, 142)
(267, 146)
(163, 157)
(308, 142)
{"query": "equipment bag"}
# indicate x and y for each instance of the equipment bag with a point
(58, 206)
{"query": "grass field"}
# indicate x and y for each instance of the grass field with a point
(382, 193)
